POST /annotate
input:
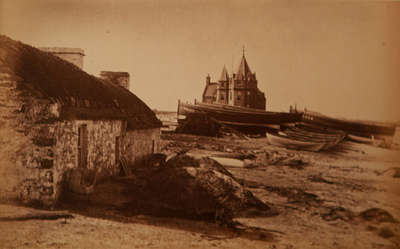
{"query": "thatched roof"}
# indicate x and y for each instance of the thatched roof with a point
(82, 96)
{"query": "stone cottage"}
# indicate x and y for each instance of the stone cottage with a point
(55, 117)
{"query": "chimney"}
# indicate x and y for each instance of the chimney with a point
(72, 55)
(118, 78)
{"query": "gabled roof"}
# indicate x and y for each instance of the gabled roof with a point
(210, 90)
(224, 75)
(81, 96)
(243, 70)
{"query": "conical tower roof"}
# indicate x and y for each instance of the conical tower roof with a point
(224, 75)
(243, 69)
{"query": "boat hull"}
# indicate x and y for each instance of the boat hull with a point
(282, 141)
(358, 128)
(240, 116)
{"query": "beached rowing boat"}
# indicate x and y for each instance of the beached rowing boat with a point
(364, 140)
(289, 143)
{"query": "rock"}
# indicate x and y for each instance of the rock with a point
(386, 232)
(186, 186)
(396, 173)
(294, 163)
(157, 160)
(285, 159)
(338, 213)
(201, 187)
(249, 164)
(377, 215)
(319, 178)
(296, 195)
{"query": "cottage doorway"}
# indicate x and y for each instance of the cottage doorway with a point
(82, 146)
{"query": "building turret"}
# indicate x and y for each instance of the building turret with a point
(223, 87)
(224, 75)
(243, 71)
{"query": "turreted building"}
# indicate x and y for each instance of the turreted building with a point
(239, 89)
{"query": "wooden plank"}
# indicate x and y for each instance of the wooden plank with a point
(250, 124)
(125, 167)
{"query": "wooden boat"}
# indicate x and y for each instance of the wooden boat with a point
(318, 129)
(354, 127)
(271, 126)
(330, 140)
(239, 116)
(365, 140)
(284, 141)
(313, 135)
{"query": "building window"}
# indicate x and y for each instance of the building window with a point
(222, 97)
(239, 94)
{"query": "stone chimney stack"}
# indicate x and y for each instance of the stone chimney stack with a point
(72, 55)
(118, 78)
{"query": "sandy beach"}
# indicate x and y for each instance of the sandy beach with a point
(343, 199)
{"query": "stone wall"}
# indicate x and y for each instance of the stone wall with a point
(27, 131)
(101, 148)
(137, 145)
(37, 149)
(134, 146)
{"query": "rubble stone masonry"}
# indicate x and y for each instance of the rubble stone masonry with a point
(27, 143)
(37, 148)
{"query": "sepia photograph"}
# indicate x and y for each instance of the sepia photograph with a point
(200, 124)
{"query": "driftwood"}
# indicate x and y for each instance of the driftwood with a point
(127, 170)
(233, 131)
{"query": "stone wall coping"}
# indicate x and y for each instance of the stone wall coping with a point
(61, 50)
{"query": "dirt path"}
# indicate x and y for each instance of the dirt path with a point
(332, 200)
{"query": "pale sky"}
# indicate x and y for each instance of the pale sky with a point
(339, 58)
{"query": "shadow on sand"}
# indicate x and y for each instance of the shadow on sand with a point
(146, 214)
